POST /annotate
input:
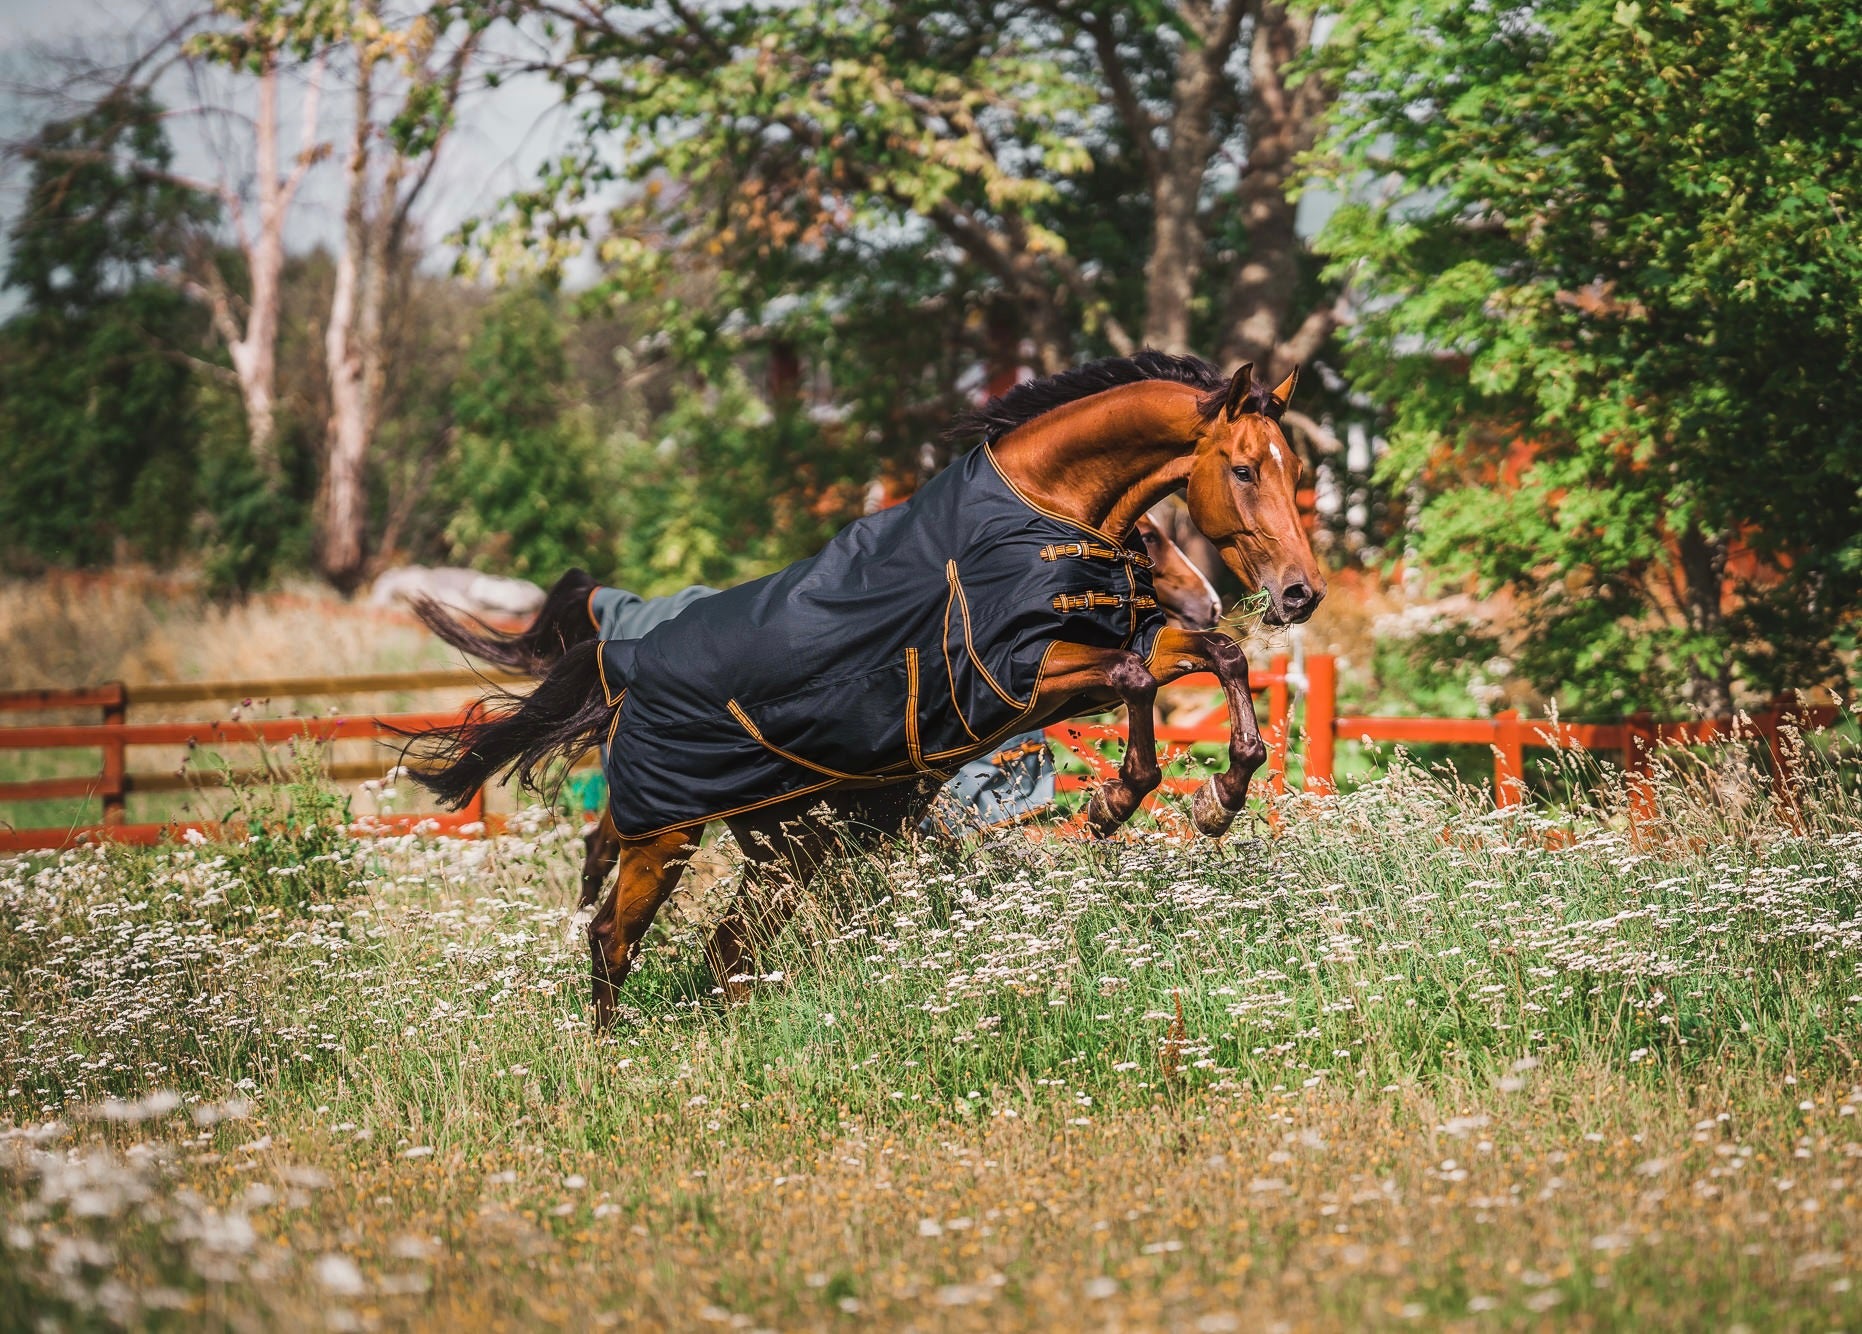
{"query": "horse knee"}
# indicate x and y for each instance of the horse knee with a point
(600, 936)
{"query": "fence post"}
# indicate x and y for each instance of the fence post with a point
(1321, 719)
(474, 810)
(114, 784)
(1638, 766)
(1509, 759)
(1279, 724)
(1768, 724)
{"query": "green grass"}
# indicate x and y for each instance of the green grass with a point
(1407, 1059)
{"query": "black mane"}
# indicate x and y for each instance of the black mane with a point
(1025, 402)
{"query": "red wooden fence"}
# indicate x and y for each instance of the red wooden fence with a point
(114, 737)
(1508, 736)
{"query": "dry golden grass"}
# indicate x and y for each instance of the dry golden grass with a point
(138, 627)
(141, 628)
(1584, 1196)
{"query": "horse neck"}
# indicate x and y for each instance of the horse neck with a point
(1103, 461)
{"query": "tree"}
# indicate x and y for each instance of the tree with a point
(97, 430)
(259, 42)
(1612, 280)
(531, 489)
(995, 180)
(394, 145)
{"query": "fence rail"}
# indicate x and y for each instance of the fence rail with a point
(113, 736)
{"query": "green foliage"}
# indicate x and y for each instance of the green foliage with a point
(98, 213)
(530, 489)
(1611, 279)
(97, 434)
(728, 490)
(247, 529)
(895, 191)
(296, 848)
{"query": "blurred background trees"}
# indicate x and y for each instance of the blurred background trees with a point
(1590, 267)
(1610, 276)
(98, 406)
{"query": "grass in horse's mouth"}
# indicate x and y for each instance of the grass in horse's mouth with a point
(1246, 615)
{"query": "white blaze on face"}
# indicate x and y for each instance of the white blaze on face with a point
(1214, 604)
(1274, 450)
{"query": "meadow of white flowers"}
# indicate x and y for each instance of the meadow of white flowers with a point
(413, 998)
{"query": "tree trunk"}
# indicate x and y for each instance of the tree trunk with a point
(252, 344)
(375, 221)
(1703, 572)
(343, 522)
(1176, 262)
(1281, 122)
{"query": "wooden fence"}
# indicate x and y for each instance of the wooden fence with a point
(114, 737)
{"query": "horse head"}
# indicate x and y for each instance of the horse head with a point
(1242, 490)
(1183, 591)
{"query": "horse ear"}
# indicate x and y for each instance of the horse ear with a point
(1283, 392)
(1238, 390)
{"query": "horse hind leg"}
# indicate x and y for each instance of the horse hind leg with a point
(780, 858)
(650, 870)
(761, 908)
(784, 850)
(603, 844)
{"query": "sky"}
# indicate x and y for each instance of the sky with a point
(503, 135)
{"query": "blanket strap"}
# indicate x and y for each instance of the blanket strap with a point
(1015, 754)
(1093, 551)
(1087, 601)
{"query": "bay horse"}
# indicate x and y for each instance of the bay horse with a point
(567, 617)
(1084, 452)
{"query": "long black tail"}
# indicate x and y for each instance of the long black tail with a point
(566, 714)
(560, 624)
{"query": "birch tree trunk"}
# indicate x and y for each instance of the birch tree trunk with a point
(343, 523)
(248, 326)
(382, 184)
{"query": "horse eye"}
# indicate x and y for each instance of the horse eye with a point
(1244, 473)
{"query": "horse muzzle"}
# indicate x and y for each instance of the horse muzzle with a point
(1293, 603)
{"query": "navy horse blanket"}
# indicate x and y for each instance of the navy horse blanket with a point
(914, 641)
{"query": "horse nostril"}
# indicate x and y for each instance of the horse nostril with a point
(1296, 595)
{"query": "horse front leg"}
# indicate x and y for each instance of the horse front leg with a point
(1222, 798)
(1117, 800)
(1074, 669)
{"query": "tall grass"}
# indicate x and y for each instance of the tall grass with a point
(1505, 1054)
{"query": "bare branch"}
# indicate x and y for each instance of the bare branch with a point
(1316, 433)
(1304, 342)
(453, 77)
(309, 151)
(211, 291)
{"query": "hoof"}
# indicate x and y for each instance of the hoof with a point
(1208, 813)
(1099, 815)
